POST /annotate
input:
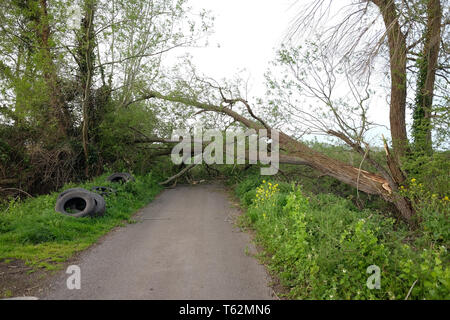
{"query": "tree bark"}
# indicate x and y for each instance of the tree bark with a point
(427, 64)
(60, 113)
(86, 52)
(397, 60)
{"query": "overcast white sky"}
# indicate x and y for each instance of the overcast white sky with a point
(247, 34)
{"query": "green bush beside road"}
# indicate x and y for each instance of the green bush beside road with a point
(320, 246)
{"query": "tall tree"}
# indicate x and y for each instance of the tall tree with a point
(427, 64)
(86, 57)
(65, 87)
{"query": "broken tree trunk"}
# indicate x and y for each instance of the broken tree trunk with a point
(299, 153)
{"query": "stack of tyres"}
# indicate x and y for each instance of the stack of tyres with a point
(79, 202)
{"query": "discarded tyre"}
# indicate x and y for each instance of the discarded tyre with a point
(103, 191)
(130, 177)
(120, 177)
(77, 204)
(100, 205)
(71, 190)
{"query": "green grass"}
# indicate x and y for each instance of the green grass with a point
(320, 246)
(32, 231)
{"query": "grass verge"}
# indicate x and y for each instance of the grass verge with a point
(31, 230)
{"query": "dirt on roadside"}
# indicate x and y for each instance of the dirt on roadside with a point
(19, 280)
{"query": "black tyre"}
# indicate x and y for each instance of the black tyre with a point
(77, 204)
(130, 177)
(100, 205)
(120, 177)
(71, 190)
(103, 191)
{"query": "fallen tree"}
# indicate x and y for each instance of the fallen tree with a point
(381, 183)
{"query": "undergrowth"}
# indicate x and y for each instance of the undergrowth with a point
(32, 231)
(321, 246)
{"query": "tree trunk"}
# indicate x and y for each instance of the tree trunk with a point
(86, 58)
(397, 59)
(427, 64)
(60, 113)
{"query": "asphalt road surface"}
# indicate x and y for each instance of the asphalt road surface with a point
(184, 246)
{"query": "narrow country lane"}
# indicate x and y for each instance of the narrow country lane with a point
(184, 246)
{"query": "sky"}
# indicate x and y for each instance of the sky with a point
(246, 35)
